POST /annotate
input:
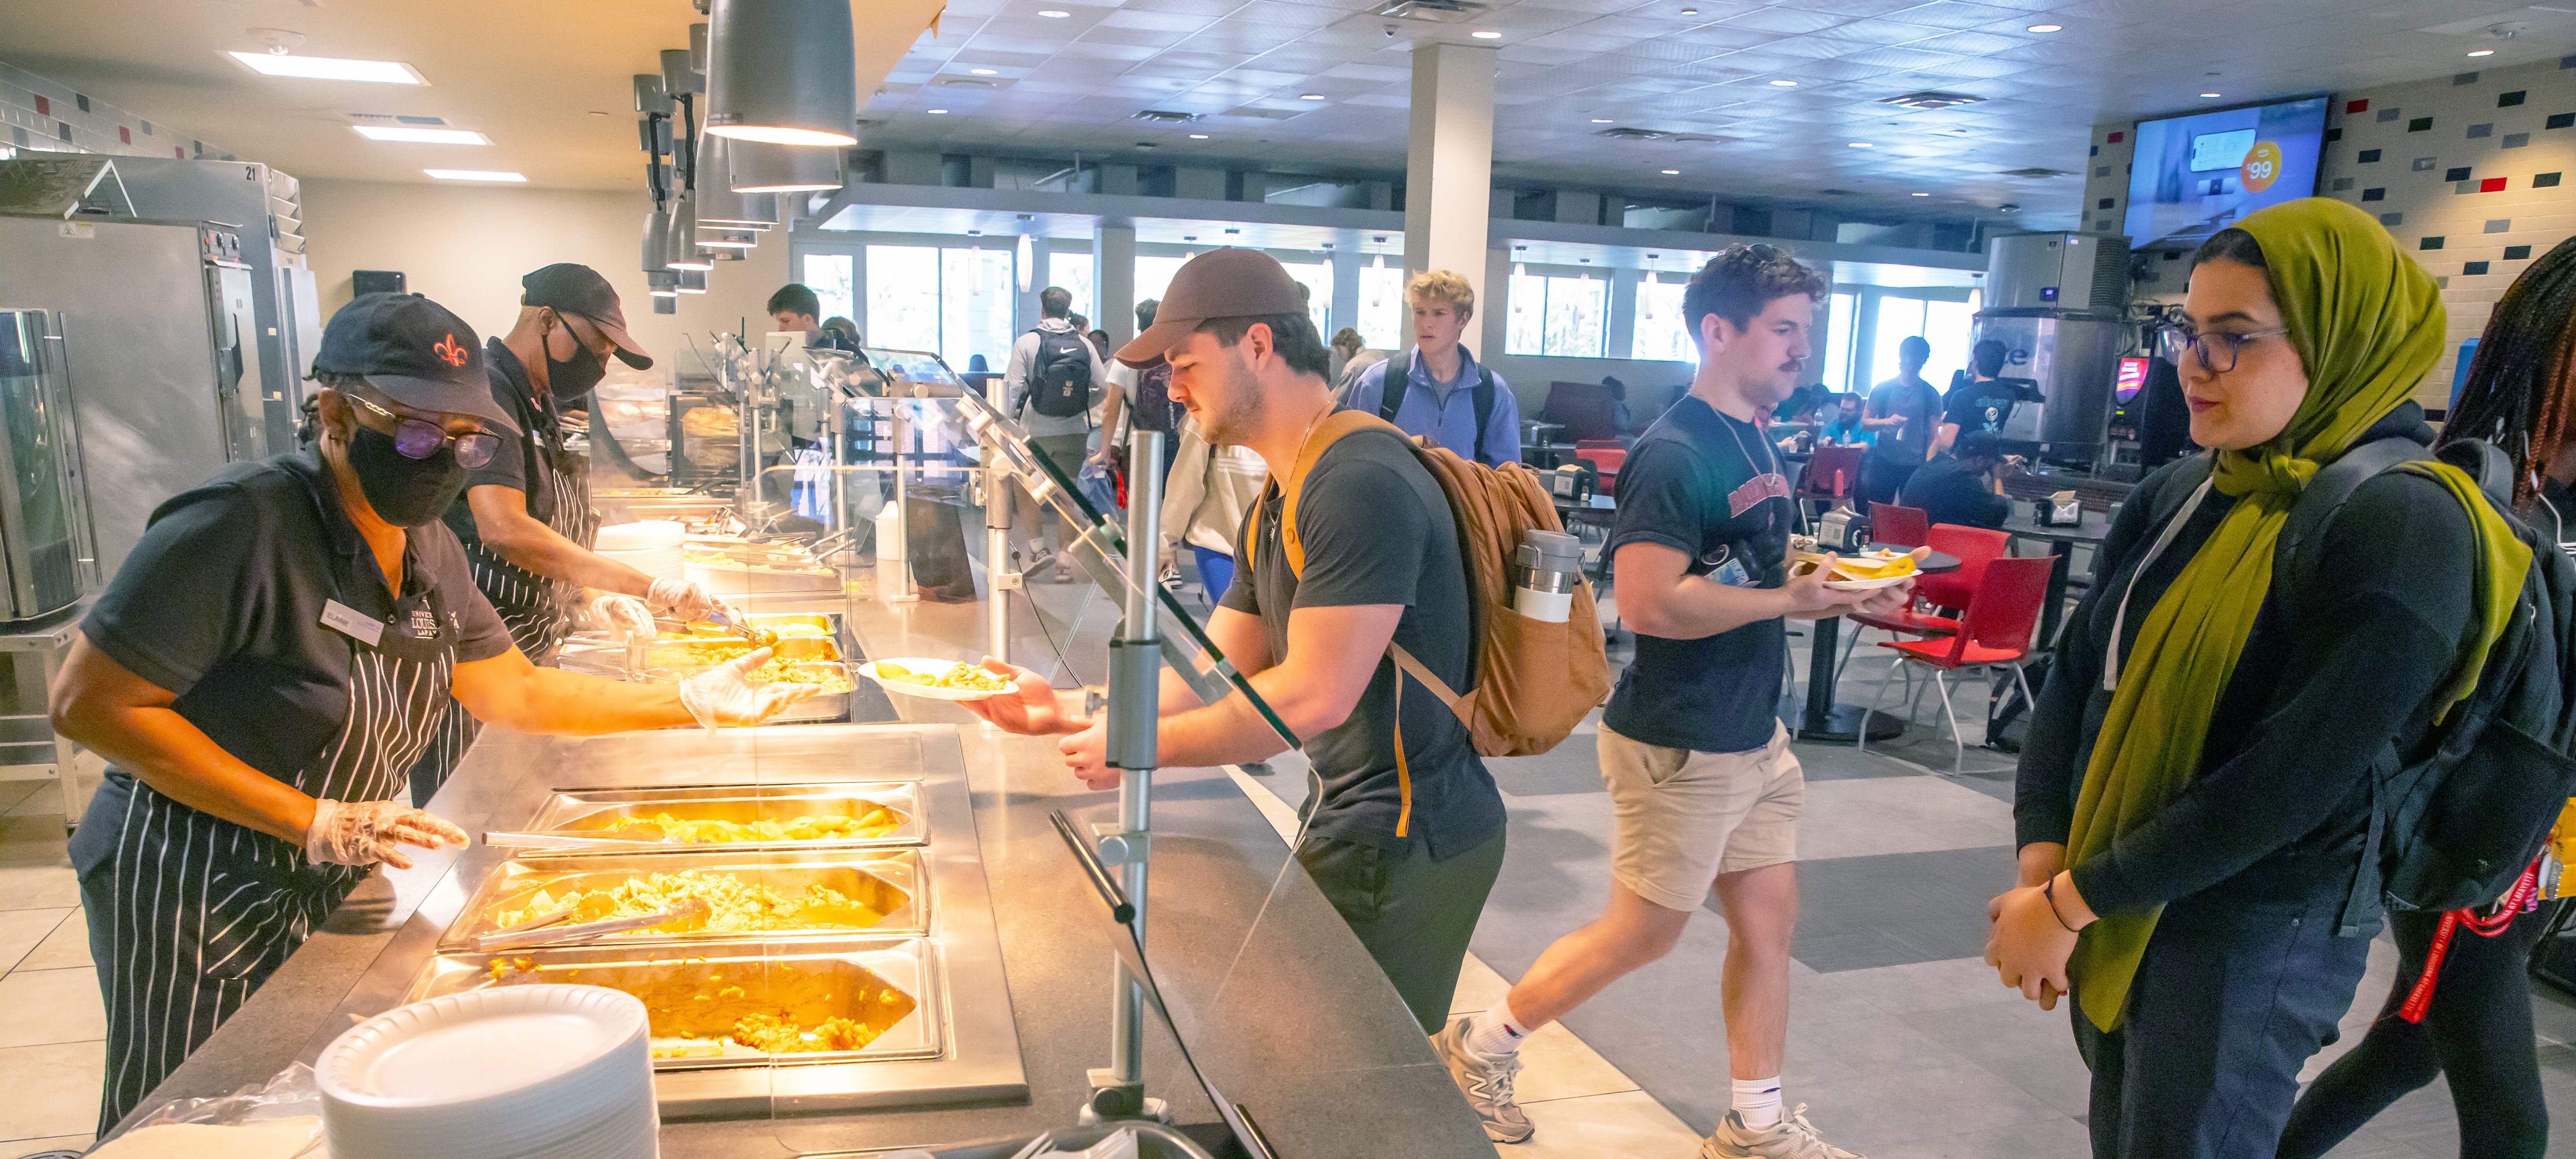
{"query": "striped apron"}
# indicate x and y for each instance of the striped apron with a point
(538, 611)
(190, 913)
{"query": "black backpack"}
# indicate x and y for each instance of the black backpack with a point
(1391, 399)
(1060, 376)
(2455, 829)
(1154, 409)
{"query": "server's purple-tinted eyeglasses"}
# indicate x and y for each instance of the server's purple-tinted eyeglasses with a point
(417, 439)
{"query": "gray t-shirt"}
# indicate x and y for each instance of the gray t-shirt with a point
(1918, 402)
(1377, 530)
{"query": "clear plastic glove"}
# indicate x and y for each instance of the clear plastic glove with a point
(624, 616)
(725, 694)
(366, 832)
(684, 600)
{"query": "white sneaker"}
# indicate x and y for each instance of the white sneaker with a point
(1486, 1080)
(1793, 1138)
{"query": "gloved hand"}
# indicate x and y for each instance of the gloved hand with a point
(684, 600)
(366, 832)
(625, 616)
(725, 694)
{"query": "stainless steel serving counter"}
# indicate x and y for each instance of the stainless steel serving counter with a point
(1282, 1009)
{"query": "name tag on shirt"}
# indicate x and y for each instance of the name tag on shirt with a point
(352, 623)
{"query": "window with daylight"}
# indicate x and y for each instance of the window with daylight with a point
(956, 303)
(1383, 316)
(1317, 277)
(833, 279)
(1661, 334)
(1842, 318)
(1072, 271)
(1948, 326)
(1557, 317)
(1154, 275)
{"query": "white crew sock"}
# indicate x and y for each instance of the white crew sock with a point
(1495, 1032)
(1757, 1101)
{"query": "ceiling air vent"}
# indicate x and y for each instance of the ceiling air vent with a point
(963, 82)
(1839, 192)
(1444, 11)
(1166, 117)
(1931, 99)
(2035, 172)
(1624, 133)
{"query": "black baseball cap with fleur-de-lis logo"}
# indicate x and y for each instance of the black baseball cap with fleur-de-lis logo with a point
(415, 351)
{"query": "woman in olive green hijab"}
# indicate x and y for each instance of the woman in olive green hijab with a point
(2195, 789)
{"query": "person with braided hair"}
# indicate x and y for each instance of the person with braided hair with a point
(2477, 1030)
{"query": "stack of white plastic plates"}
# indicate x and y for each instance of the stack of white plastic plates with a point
(651, 546)
(511, 1072)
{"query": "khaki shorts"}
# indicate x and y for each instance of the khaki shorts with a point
(1685, 817)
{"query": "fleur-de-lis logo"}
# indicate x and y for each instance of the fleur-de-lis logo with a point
(449, 352)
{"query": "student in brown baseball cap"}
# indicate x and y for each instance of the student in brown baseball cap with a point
(1407, 856)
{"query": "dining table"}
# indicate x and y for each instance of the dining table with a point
(1817, 716)
(2088, 529)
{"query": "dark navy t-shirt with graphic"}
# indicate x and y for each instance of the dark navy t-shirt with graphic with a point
(1711, 487)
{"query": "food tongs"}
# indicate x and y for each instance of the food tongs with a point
(542, 929)
(730, 620)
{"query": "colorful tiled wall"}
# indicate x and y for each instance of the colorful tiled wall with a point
(45, 114)
(2471, 174)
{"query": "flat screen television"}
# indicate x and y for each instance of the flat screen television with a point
(2133, 376)
(2195, 175)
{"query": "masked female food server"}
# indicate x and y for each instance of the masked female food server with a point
(268, 663)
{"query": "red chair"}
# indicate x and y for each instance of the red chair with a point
(1899, 526)
(1832, 477)
(1606, 457)
(1996, 632)
(1974, 548)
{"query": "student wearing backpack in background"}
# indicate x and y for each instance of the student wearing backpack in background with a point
(1142, 395)
(1406, 836)
(1706, 791)
(1437, 389)
(2476, 1031)
(1048, 389)
(2198, 786)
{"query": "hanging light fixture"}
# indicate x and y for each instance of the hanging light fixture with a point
(1380, 263)
(1028, 251)
(693, 281)
(657, 241)
(761, 167)
(684, 253)
(1519, 270)
(782, 71)
(719, 238)
(719, 203)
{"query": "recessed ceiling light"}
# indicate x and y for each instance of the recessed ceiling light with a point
(1486, 34)
(938, 112)
(985, 71)
(387, 72)
(421, 136)
(2048, 28)
(1786, 84)
(1672, 172)
(1863, 145)
(1918, 195)
(473, 175)
(2209, 94)
(1054, 13)
(1310, 96)
(2482, 52)
(1198, 136)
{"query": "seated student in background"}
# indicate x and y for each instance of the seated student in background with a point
(1965, 487)
(1845, 428)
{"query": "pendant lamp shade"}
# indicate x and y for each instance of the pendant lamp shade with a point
(657, 241)
(684, 253)
(693, 281)
(761, 167)
(783, 71)
(719, 204)
(1027, 262)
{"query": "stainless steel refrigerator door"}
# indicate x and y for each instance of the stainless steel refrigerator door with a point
(39, 504)
(302, 337)
(132, 301)
(235, 333)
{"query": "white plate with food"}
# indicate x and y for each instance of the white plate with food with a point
(1864, 571)
(936, 679)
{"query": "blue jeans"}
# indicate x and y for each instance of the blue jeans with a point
(1216, 572)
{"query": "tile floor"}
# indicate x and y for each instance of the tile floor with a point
(52, 1053)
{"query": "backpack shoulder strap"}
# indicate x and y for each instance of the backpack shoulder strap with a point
(1319, 440)
(1398, 379)
(1484, 406)
(2486, 464)
(2333, 486)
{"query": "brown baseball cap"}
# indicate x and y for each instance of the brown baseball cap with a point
(1221, 283)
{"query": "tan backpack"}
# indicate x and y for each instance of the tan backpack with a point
(1534, 681)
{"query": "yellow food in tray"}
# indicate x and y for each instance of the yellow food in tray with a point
(969, 677)
(693, 651)
(746, 1009)
(734, 906)
(1874, 567)
(875, 823)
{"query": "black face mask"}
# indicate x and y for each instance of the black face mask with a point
(569, 379)
(405, 492)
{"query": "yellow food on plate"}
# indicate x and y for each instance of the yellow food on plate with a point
(1874, 567)
(875, 822)
(966, 677)
(734, 906)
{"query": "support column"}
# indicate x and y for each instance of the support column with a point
(1113, 278)
(1623, 313)
(1449, 160)
(1346, 288)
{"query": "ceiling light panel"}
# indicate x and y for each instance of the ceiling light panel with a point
(390, 72)
(475, 175)
(415, 136)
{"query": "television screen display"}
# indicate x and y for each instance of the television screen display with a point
(2193, 176)
(2133, 375)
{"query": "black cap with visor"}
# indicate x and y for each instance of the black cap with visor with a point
(417, 353)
